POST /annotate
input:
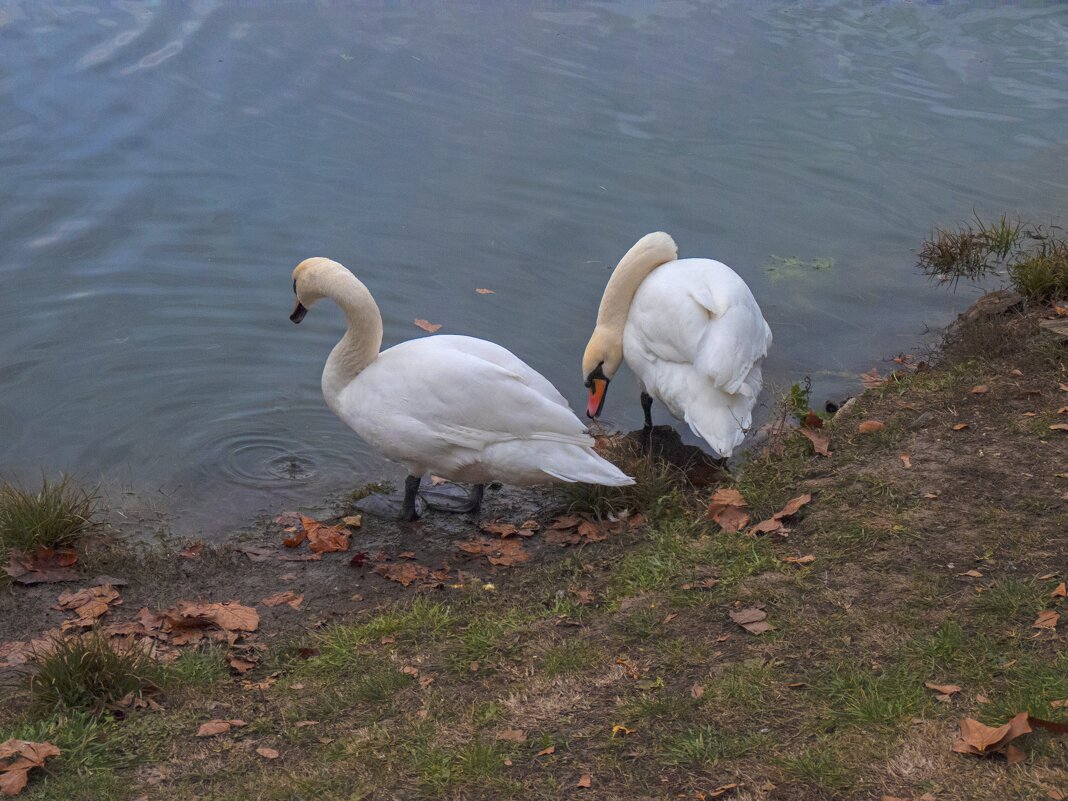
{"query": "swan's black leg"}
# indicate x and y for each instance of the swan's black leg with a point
(477, 492)
(411, 488)
(647, 431)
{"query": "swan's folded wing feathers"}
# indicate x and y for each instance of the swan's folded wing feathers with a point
(735, 338)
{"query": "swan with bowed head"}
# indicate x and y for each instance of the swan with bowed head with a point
(459, 407)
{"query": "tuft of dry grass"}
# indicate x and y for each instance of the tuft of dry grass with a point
(55, 515)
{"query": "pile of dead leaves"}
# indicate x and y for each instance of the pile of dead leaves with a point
(88, 605)
(17, 759)
(727, 508)
(500, 553)
(583, 529)
(321, 537)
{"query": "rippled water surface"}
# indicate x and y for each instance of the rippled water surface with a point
(163, 167)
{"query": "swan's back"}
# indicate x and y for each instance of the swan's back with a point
(696, 337)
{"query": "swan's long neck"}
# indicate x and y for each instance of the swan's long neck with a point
(363, 339)
(646, 255)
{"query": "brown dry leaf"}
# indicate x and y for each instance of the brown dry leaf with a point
(267, 753)
(1047, 619)
(353, 521)
(774, 525)
(979, 739)
(1060, 592)
(1064, 387)
(697, 691)
(427, 326)
(499, 529)
(584, 597)
(323, 538)
(1062, 410)
(807, 559)
(820, 443)
(255, 553)
(511, 552)
(725, 508)
(982, 389)
(484, 291)
(218, 726)
(512, 735)
(872, 378)
(793, 506)
(752, 620)
(960, 426)
(770, 526)
(287, 597)
(584, 780)
(192, 551)
(1059, 427)
(905, 460)
(723, 789)
(1056, 795)
(546, 751)
(43, 566)
(812, 420)
(241, 665)
(944, 689)
(88, 604)
(870, 427)
(17, 759)
(229, 616)
(893, 798)
(404, 573)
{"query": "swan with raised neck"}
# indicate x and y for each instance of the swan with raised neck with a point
(317, 278)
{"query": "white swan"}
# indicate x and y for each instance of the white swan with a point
(462, 408)
(691, 331)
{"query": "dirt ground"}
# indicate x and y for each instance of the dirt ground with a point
(609, 662)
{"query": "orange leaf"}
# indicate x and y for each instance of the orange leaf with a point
(546, 751)
(218, 726)
(819, 442)
(977, 738)
(905, 460)
(584, 780)
(1047, 619)
(945, 689)
(1060, 592)
(286, 597)
(812, 420)
(429, 327)
(959, 426)
(483, 291)
(1059, 427)
(267, 753)
(752, 620)
(323, 538)
(501, 530)
(512, 735)
(404, 573)
(982, 389)
(870, 427)
(800, 560)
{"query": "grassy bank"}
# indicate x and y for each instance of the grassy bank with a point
(614, 669)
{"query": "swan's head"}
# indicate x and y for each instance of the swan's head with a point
(604, 355)
(310, 279)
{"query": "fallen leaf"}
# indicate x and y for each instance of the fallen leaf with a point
(905, 460)
(323, 538)
(723, 789)
(42, 566)
(820, 443)
(620, 729)
(192, 551)
(872, 378)
(255, 553)
(870, 427)
(546, 751)
(960, 426)
(1056, 795)
(267, 753)
(287, 597)
(774, 525)
(1059, 427)
(584, 780)
(981, 699)
(1060, 592)
(24, 756)
(812, 420)
(697, 691)
(358, 560)
(218, 726)
(725, 509)
(484, 291)
(979, 739)
(512, 735)
(499, 529)
(971, 574)
(429, 327)
(981, 389)
(89, 604)
(944, 689)
(404, 573)
(1047, 619)
(241, 665)
(807, 559)
(353, 521)
(752, 620)
(301, 724)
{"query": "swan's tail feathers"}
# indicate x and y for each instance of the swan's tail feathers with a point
(589, 468)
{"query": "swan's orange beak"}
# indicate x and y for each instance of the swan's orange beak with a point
(598, 389)
(298, 312)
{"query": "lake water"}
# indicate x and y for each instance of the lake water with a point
(163, 166)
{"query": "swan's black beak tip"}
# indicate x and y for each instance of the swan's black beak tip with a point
(298, 312)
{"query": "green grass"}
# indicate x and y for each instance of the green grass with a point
(658, 706)
(54, 516)
(570, 656)
(195, 669)
(88, 674)
(707, 745)
(1009, 601)
(864, 697)
(820, 766)
(743, 685)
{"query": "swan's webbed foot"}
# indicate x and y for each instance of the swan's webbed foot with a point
(407, 507)
(449, 497)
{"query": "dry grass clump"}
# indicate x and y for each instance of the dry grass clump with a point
(56, 515)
